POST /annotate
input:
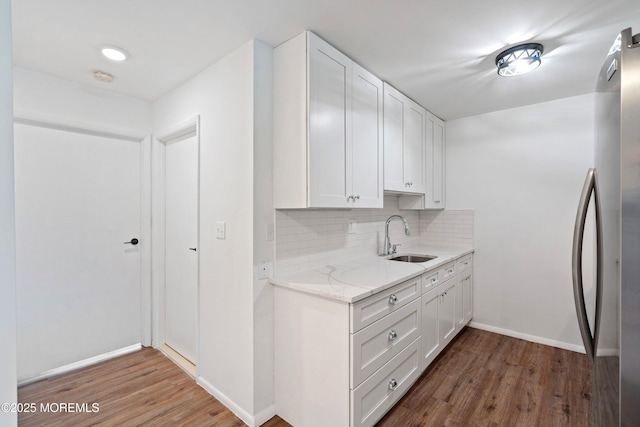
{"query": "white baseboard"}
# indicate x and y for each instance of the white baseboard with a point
(252, 421)
(80, 364)
(264, 416)
(559, 344)
(226, 401)
(527, 337)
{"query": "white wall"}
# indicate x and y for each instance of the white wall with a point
(42, 97)
(234, 134)
(263, 249)
(522, 171)
(8, 376)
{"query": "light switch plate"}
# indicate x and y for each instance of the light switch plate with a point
(221, 230)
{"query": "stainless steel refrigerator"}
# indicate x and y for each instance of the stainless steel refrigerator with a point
(610, 328)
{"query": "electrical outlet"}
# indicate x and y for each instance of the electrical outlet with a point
(264, 270)
(221, 230)
(353, 226)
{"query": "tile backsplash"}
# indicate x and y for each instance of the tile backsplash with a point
(312, 238)
(453, 228)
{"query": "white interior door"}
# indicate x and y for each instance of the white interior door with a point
(181, 234)
(78, 284)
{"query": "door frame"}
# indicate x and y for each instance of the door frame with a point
(180, 131)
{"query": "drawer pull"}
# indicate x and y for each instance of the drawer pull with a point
(393, 299)
(393, 384)
(450, 271)
(433, 280)
(392, 335)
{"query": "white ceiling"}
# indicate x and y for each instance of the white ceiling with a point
(440, 53)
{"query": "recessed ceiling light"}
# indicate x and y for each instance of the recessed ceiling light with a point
(519, 59)
(114, 53)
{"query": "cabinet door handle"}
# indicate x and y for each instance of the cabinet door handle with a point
(357, 197)
(392, 335)
(393, 384)
(393, 299)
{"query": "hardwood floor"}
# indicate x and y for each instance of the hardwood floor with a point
(486, 379)
(142, 388)
(481, 379)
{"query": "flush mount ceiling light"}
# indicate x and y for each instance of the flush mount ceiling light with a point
(519, 59)
(114, 53)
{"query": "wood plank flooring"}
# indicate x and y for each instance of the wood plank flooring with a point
(481, 379)
(487, 379)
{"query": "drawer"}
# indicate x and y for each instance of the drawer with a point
(375, 307)
(431, 279)
(448, 271)
(464, 264)
(374, 397)
(378, 343)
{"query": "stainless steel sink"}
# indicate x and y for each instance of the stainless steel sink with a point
(413, 258)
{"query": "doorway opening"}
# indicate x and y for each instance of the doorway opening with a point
(176, 228)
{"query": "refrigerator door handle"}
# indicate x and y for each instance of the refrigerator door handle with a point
(590, 187)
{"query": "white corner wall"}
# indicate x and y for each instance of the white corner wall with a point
(263, 251)
(522, 171)
(230, 96)
(8, 372)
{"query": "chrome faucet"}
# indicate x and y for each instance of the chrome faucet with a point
(390, 249)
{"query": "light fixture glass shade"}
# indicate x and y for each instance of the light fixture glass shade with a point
(519, 59)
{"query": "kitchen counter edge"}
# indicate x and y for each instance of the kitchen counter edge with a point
(352, 281)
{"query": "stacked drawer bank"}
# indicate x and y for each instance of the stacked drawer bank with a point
(350, 340)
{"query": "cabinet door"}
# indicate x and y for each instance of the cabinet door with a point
(431, 344)
(366, 171)
(434, 163)
(459, 299)
(467, 297)
(404, 138)
(413, 147)
(394, 105)
(447, 312)
(329, 125)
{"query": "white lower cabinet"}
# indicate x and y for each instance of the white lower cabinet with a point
(438, 320)
(376, 344)
(446, 306)
(339, 364)
(373, 398)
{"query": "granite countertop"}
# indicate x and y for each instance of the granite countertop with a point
(351, 281)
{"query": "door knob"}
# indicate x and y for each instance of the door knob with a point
(193, 249)
(133, 242)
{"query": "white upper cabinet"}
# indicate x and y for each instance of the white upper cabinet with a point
(404, 142)
(367, 151)
(434, 168)
(327, 128)
(434, 163)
